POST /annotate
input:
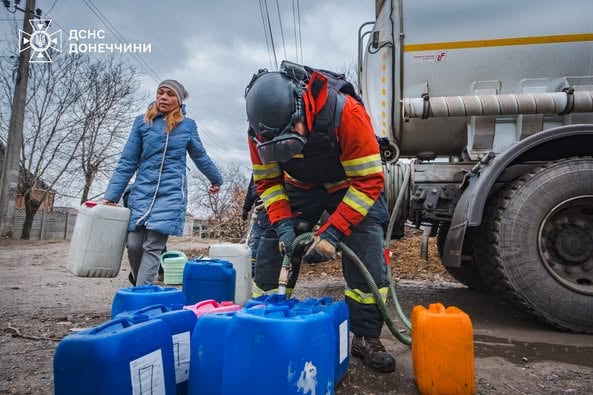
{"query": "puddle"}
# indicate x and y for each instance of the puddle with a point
(520, 352)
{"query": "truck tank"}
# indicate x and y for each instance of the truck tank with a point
(490, 104)
(430, 48)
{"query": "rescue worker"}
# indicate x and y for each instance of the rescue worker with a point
(260, 227)
(312, 149)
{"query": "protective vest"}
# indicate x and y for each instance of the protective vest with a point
(320, 160)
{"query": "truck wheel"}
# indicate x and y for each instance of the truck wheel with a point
(467, 273)
(540, 244)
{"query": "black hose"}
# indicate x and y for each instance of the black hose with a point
(305, 238)
(378, 298)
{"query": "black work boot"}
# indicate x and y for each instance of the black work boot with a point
(372, 351)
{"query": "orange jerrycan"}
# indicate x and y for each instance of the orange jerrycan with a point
(442, 350)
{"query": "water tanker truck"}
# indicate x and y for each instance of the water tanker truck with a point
(484, 110)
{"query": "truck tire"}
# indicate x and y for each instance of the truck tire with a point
(467, 273)
(536, 244)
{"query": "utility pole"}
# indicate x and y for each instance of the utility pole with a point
(11, 168)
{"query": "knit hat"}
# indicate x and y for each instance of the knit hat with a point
(176, 87)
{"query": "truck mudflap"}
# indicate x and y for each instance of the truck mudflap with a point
(452, 250)
(470, 207)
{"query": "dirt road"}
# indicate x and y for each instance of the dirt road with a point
(41, 302)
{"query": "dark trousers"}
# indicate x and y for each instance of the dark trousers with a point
(261, 224)
(366, 241)
(144, 254)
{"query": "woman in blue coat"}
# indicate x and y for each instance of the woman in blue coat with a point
(156, 152)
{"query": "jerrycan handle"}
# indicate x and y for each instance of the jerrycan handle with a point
(274, 310)
(312, 302)
(152, 310)
(436, 308)
(204, 303)
(145, 289)
(116, 324)
(172, 254)
(90, 203)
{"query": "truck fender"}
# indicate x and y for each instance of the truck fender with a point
(470, 207)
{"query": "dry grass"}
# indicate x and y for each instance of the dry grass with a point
(406, 261)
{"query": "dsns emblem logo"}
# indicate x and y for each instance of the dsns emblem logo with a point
(41, 41)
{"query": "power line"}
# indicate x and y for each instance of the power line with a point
(122, 39)
(300, 38)
(105, 21)
(52, 7)
(95, 10)
(261, 11)
(271, 34)
(203, 130)
(294, 23)
(64, 28)
(281, 29)
(142, 63)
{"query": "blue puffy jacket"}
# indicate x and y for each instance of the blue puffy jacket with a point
(158, 196)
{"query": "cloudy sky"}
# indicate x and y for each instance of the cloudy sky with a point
(214, 46)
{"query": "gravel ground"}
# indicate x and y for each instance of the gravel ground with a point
(41, 302)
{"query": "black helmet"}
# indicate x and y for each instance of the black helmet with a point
(274, 103)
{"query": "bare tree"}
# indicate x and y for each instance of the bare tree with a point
(223, 210)
(105, 111)
(78, 113)
(9, 62)
(51, 138)
(349, 70)
(8, 65)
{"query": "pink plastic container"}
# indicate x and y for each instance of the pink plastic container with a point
(211, 306)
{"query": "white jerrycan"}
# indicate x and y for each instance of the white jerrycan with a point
(240, 256)
(98, 240)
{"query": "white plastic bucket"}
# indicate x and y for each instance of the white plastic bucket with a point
(98, 240)
(240, 256)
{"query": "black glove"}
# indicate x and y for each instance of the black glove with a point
(286, 235)
(244, 214)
